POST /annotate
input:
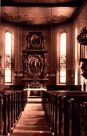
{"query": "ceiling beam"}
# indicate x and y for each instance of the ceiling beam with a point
(55, 4)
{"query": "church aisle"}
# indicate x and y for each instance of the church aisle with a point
(32, 121)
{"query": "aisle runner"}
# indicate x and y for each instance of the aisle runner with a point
(32, 121)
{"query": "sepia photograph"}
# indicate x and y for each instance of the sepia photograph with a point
(43, 67)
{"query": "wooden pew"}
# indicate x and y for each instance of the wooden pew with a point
(12, 104)
(4, 113)
(64, 111)
(84, 119)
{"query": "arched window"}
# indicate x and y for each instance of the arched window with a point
(76, 56)
(8, 46)
(62, 58)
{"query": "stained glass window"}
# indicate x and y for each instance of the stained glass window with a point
(8, 57)
(62, 58)
(76, 56)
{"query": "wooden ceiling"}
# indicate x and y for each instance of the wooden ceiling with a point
(39, 12)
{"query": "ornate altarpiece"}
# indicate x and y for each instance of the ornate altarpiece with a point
(35, 60)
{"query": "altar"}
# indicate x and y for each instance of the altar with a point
(34, 91)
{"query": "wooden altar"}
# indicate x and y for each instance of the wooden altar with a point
(35, 61)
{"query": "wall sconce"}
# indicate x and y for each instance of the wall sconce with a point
(82, 39)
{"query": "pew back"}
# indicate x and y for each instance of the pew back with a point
(12, 103)
(64, 112)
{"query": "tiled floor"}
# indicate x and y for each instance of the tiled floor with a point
(32, 121)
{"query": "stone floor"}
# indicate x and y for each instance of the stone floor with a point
(32, 121)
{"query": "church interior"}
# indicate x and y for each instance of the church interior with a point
(43, 67)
